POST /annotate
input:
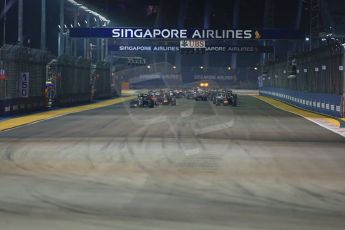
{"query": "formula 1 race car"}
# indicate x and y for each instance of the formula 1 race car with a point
(169, 99)
(201, 97)
(134, 103)
(232, 99)
(225, 98)
(219, 99)
(190, 96)
(173, 101)
(143, 100)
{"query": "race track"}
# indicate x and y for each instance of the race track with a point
(194, 166)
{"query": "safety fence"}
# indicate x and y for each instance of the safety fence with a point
(71, 79)
(32, 79)
(22, 79)
(329, 104)
(100, 77)
(313, 80)
(319, 71)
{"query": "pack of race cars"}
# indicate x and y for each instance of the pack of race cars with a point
(153, 99)
(156, 98)
(217, 96)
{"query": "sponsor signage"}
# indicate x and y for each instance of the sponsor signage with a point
(234, 49)
(155, 76)
(24, 85)
(186, 34)
(147, 48)
(192, 44)
(214, 77)
(240, 49)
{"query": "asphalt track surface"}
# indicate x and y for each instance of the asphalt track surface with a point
(193, 166)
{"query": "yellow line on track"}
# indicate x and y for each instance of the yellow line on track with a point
(32, 118)
(300, 112)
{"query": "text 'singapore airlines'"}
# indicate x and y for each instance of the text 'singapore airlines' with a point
(181, 33)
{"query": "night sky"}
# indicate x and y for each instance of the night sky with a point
(136, 13)
(149, 13)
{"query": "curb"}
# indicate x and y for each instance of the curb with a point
(340, 122)
(11, 123)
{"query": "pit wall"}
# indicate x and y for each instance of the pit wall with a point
(328, 104)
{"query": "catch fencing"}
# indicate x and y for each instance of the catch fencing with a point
(71, 78)
(100, 77)
(22, 79)
(312, 80)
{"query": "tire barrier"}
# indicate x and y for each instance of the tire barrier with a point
(328, 104)
(22, 79)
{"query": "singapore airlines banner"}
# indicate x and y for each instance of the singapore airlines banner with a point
(144, 33)
(208, 48)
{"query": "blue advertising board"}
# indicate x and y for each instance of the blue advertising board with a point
(324, 103)
(205, 34)
(170, 48)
